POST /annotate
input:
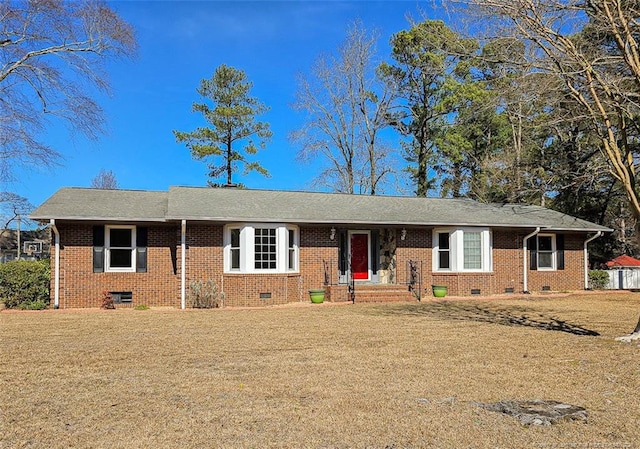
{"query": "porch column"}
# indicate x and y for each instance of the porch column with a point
(525, 264)
(183, 264)
(56, 266)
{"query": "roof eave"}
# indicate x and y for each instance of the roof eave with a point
(380, 223)
(44, 218)
(602, 229)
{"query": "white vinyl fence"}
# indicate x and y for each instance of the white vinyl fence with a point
(627, 279)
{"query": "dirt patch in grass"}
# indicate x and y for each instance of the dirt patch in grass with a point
(362, 376)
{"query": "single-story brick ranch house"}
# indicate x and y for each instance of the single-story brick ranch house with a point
(271, 247)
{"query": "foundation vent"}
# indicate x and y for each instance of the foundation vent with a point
(121, 297)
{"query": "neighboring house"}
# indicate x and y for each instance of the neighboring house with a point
(34, 244)
(270, 247)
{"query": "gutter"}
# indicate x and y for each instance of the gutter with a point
(586, 259)
(183, 264)
(56, 270)
(525, 265)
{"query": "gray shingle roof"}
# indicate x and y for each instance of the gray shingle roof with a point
(98, 204)
(231, 205)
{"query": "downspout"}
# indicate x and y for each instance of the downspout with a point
(56, 269)
(183, 265)
(525, 265)
(586, 259)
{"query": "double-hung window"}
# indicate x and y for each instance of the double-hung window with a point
(119, 248)
(546, 252)
(546, 249)
(462, 249)
(257, 248)
(444, 251)
(292, 253)
(234, 249)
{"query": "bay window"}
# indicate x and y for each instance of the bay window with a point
(256, 248)
(462, 249)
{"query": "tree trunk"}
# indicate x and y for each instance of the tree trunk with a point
(637, 329)
(229, 166)
(635, 335)
(423, 185)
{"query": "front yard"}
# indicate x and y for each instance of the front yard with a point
(349, 376)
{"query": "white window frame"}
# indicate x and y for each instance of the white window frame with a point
(456, 250)
(437, 251)
(482, 251)
(247, 247)
(269, 240)
(553, 252)
(292, 250)
(108, 248)
(229, 248)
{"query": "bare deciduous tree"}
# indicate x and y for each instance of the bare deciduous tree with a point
(52, 55)
(106, 180)
(12, 208)
(591, 48)
(347, 107)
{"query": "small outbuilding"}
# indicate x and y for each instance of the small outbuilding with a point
(624, 261)
(624, 273)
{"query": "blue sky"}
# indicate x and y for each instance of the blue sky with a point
(182, 42)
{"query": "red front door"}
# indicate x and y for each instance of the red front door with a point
(360, 256)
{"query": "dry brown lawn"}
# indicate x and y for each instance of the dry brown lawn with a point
(321, 376)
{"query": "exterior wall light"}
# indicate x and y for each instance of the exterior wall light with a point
(332, 236)
(403, 234)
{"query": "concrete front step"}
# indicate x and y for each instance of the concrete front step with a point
(365, 297)
(373, 293)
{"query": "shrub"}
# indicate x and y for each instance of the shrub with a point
(24, 284)
(141, 307)
(107, 301)
(205, 295)
(598, 279)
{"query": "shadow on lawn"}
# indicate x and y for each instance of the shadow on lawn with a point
(487, 313)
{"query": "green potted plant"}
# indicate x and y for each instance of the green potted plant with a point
(317, 295)
(439, 291)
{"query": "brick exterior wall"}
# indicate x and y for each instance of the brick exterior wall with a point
(81, 287)
(316, 247)
(571, 278)
(161, 284)
(246, 290)
(415, 247)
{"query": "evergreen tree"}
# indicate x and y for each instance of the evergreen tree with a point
(232, 119)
